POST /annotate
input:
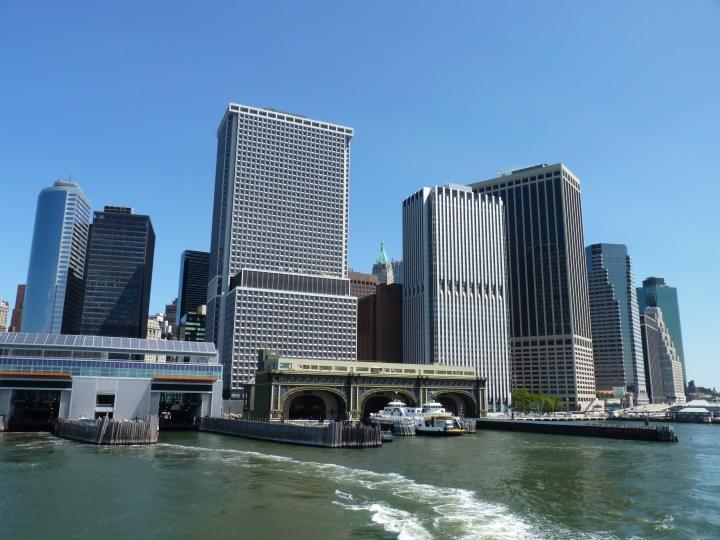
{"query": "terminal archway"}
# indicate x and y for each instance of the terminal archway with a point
(322, 404)
(34, 410)
(458, 403)
(376, 400)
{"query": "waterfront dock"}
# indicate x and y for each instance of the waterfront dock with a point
(659, 433)
(327, 435)
(108, 431)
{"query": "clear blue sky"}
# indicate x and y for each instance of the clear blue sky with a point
(127, 96)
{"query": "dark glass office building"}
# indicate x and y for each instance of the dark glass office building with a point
(118, 274)
(193, 289)
(656, 293)
(617, 342)
(550, 336)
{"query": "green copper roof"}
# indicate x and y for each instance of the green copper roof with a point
(383, 257)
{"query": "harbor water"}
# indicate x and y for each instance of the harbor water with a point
(492, 484)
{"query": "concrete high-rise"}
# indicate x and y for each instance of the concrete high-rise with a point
(53, 297)
(361, 284)
(665, 380)
(279, 244)
(656, 293)
(551, 341)
(16, 320)
(617, 340)
(4, 310)
(454, 289)
(192, 292)
(118, 274)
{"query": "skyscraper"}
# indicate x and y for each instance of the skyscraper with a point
(665, 380)
(656, 293)
(551, 341)
(16, 320)
(193, 282)
(617, 341)
(380, 332)
(4, 309)
(118, 274)
(279, 244)
(53, 298)
(454, 293)
(382, 268)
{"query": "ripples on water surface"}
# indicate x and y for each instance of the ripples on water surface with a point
(490, 485)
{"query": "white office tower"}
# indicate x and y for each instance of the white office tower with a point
(454, 288)
(664, 370)
(279, 246)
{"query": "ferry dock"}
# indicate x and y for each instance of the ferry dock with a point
(657, 433)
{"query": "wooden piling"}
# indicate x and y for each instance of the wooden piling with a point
(109, 431)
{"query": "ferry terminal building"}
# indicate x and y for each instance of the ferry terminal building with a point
(46, 376)
(292, 388)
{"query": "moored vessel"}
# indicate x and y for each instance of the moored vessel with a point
(435, 420)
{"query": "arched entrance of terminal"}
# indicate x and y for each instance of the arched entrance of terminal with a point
(34, 410)
(458, 403)
(314, 405)
(375, 401)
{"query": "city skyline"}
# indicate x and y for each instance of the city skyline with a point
(175, 177)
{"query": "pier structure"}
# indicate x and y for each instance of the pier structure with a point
(45, 377)
(291, 388)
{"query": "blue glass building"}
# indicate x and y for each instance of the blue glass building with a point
(656, 293)
(615, 320)
(53, 296)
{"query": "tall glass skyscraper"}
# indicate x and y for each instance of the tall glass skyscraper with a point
(279, 244)
(455, 289)
(193, 282)
(617, 342)
(656, 293)
(53, 295)
(551, 340)
(118, 274)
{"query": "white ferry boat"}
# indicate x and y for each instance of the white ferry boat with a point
(435, 420)
(430, 419)
(395, 415)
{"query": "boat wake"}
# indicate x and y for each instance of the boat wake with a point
(400, 505)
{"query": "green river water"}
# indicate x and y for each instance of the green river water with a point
(489, 485)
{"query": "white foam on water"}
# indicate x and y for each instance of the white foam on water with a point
(394, 520)
(447, 512)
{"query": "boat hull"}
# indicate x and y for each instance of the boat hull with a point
(441, 433)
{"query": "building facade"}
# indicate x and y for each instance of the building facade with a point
(380, 329)
(656, 293)
(192, 325)
(16, 319)
(361, 284)
(4, 310)
(279, 244)
(665, 380)
(118, 274)
(454, 289)
(192, 292)
(551, 339)
(53, 296)
(46, 376)
(617, 340)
